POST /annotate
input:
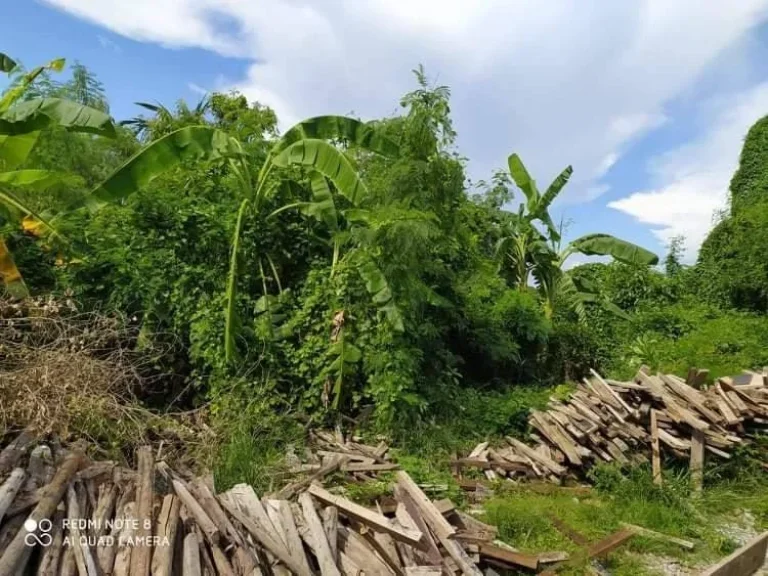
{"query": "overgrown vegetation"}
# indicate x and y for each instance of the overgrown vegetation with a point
(344, 269)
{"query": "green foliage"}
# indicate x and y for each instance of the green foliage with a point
(749, 185)
(733, 260)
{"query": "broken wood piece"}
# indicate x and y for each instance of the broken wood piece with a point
(574, 536)
(548, 463)
(687, 544)
(10, 488)
(315, 526)
(167, 526)
(697, 460)
(366, 516)
(509, 557)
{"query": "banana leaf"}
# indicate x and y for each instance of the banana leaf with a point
(39, 113)
(6, 63)
(621, 250)
(364, 135)
(189, 143)
(328, 161)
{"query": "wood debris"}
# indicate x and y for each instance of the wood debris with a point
(93, 518)
(630, 422)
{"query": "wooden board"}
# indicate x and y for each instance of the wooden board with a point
(744, 561)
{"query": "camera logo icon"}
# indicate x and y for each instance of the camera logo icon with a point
(38, 533)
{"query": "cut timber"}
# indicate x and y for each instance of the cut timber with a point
(141, 556)
(293, 540)
(409, 515)
(687, 544)
(366, 516)
(49, 561)
(240, 502)
(12, 453)
(459, 555)
(574, 536)
(746, 560)
(15, 552)
(167, 526)
(655, 454)
(10, 488)
(508, 557)
(423, 571)
(191, 562)
(84, 557)
(609, 543)
(330, 519)
(556, 436)
(549, 464)
(432, 516)
(207, 526)
(287, 492)
(444, 506)
(322, 548)
(697, 460)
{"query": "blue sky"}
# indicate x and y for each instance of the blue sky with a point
(649, 100)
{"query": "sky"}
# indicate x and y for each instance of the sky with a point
(648, 100)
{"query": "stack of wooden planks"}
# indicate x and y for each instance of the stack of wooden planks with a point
(62, 514)
(625, 422)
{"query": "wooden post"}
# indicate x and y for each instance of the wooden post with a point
(697, 460)
(142, 554)
(655, 455)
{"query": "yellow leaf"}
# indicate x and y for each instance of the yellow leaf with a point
(33, 226)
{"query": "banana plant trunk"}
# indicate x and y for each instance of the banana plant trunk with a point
(14, 283)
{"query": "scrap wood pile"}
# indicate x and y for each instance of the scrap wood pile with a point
(63, 514)
(611, 421)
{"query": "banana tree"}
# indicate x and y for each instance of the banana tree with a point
(21, 122)
(532, 252)
(305, 145)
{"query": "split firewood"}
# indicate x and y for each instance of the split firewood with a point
(330, 518)
(51, 556)
(11, 559)
(167, 525)
(191, 559)
(10, 488)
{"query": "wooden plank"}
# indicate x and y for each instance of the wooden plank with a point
(293, 540)
(191, 558)
(611, 391)
(239, 502)
(208, 527)
(556, 436)
(330, 518)
(574, 536)
(287, 492)
(508, 557)
(549, 464)
(444, 506)
(315, 526)
(141, 557)
(366, 516)
(409, 515)
(697, 460)
(167, 526)
(744, 561)
(687, 544)
(609, 543)
(486, 465)
(655, 453)
(13, 452)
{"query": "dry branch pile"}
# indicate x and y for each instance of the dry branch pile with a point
(606, 420)
(62, 514)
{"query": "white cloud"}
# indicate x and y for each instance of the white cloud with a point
(197, 89)
(691, 182)
(107, 43)
(568, 82)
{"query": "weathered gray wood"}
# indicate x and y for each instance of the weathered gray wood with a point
(744, 561)
(191, 562)
(366, 516)
(10, 488)
(167, 526)
(12, 557)
(315, 526)
(141, 556)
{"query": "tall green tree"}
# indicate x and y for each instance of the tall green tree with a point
(21, 123)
